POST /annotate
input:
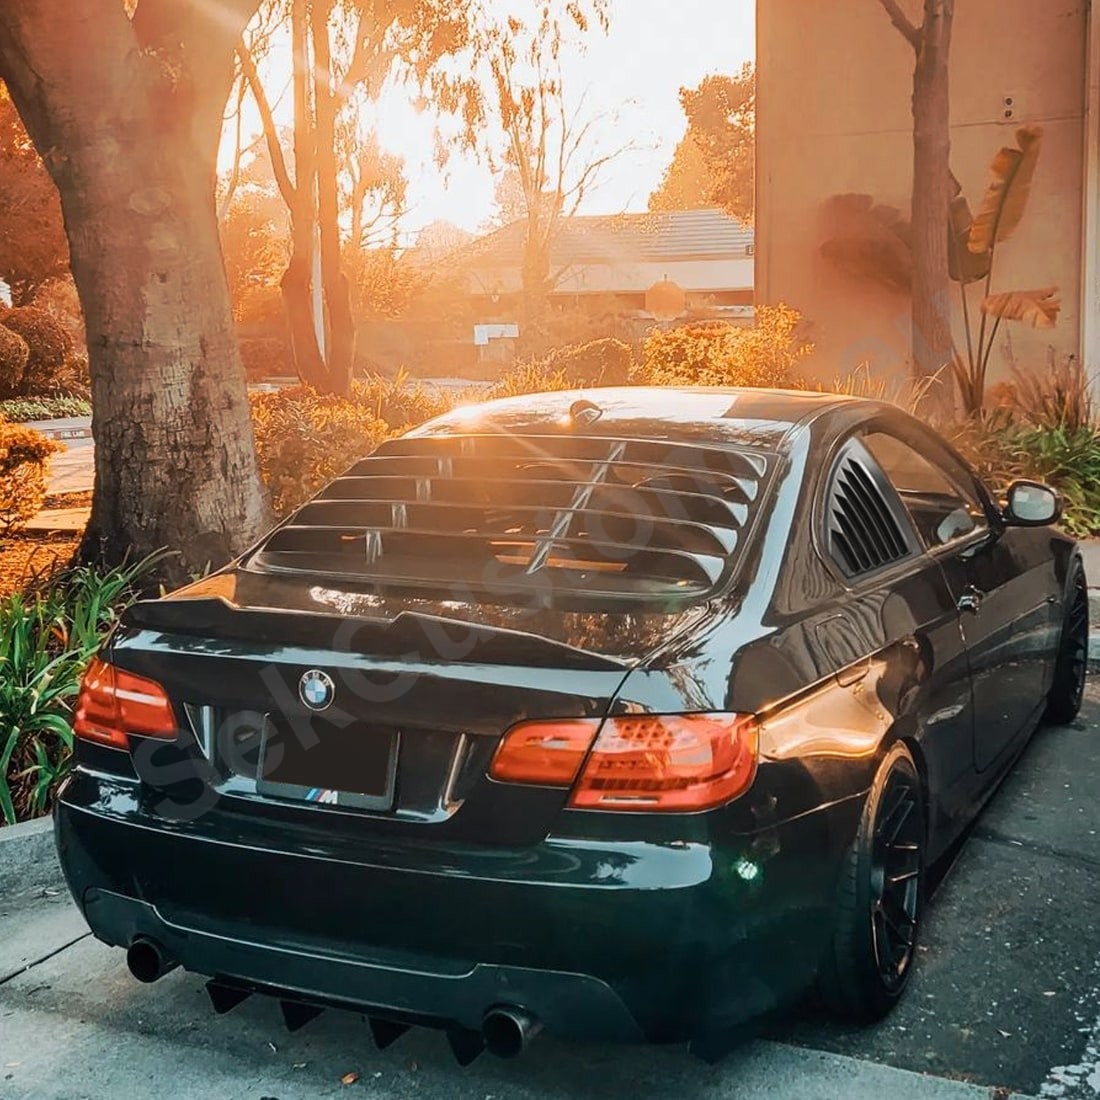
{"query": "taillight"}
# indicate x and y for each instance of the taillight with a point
(645, 763)
(679, 762)
(114, 703)
(545, 753)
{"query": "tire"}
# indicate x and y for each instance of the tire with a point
(880, 897)
(1071, 665)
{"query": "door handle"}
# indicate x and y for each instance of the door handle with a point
(970, 600)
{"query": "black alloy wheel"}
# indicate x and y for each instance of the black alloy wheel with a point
(1071, 666)
(896, 877)
(880, 897)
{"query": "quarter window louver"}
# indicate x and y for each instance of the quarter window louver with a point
(515, 517)
(864, 532)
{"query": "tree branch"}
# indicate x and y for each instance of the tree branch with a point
(910, 32)
(271, 133)
(371, 59)
(238, 153)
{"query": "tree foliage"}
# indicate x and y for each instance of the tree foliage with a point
(372, 186)
(440, 238)
(255, 236)
(509, 200)
(687, 183)
(33, 248)
(344, 190)
(714, 163)
(383, 284)
(543, 136)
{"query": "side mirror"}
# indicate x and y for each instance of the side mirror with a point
(1031, 504)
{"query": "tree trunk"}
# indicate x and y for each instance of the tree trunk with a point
(297, 281)
(535, 279)
(931, 335)
(340, 325)
(297, 290)
(127, 117)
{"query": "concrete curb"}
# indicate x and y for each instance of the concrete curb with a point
(1094, 629)
(27, 856)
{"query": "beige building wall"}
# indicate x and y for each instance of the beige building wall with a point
(833, 116)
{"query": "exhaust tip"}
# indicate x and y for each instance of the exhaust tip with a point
(147, 960)
(507, 1031)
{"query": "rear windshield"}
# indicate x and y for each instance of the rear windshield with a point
(530, 519)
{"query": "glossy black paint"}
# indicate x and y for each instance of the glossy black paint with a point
(469, 892)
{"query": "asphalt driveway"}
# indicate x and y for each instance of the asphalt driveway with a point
(1007, 997)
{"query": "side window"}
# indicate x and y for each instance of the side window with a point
(865, 525)
(941, 509)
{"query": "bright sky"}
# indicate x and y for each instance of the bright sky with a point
(633, 75)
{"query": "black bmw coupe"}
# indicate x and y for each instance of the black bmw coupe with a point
(626, 713)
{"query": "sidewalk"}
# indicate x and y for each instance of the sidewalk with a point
(76, 1024)
(1090, 555)
(71, 471)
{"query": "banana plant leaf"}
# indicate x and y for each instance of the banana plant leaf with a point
(964, 266)
(1038, 308)
(1005, 201)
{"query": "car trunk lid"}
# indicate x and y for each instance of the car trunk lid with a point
(416, 705)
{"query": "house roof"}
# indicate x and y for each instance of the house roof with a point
(709, 234)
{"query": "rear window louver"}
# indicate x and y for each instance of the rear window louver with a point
(511, 515)
(864, 532)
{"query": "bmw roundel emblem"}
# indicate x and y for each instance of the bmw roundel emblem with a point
(316, 689)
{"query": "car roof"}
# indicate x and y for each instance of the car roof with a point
(703, 414)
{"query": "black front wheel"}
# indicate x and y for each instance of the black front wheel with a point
(1070, 667)
(880, 897)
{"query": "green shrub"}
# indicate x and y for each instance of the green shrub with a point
(21, 409)
(304, 439)
(1002, 449)
(13, 361)
(907, 393)
(1070, 461)
(48, 342)
(59, 298)
(24, 459)
(604, 362)
(399, 402)
(72, 379)
(46, 640)
(266, 357)
(1058, 397)
(719, 354)
(529, 377)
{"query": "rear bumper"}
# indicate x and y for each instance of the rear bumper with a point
(619, 941)
(565, 1003)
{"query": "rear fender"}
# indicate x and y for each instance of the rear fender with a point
(818, 746)
(838, 730)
